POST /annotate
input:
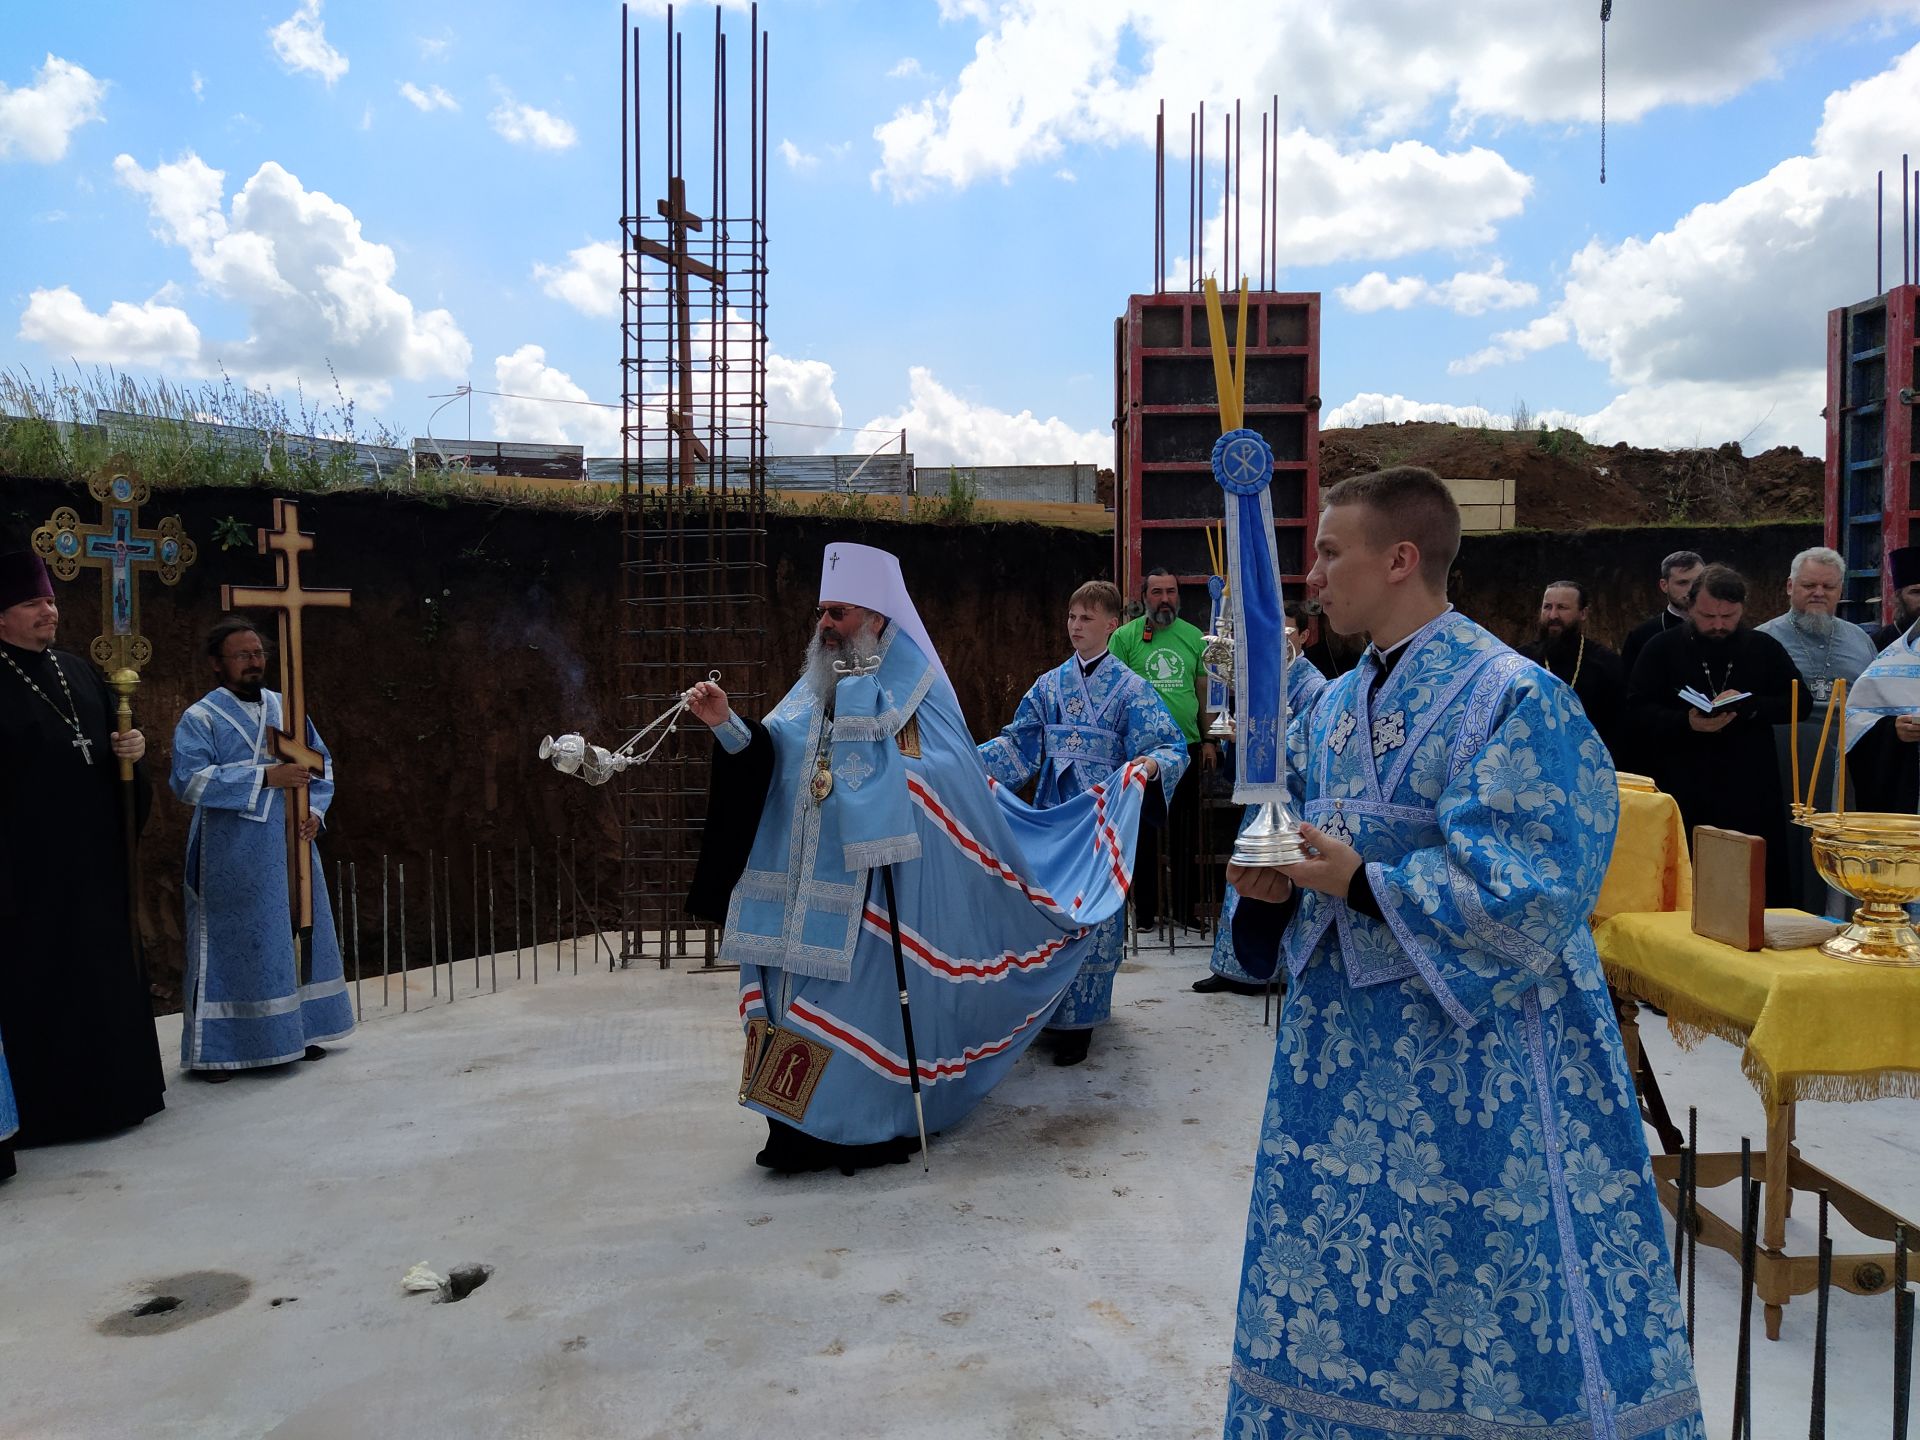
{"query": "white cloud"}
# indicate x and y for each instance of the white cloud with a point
(1370, 407)
(796, 158)
(149, 333)
(524, 124)
(38, 120)
(434, 47)
(432, 98)
(315, 290)
(199, 85)
(1719, 320)
(301, 43)
(1048, 75)
(1067, 175)
(1468, 292)
(799, 396)
(538, 420)
(906, 68)
(944, 429)
(589, 281)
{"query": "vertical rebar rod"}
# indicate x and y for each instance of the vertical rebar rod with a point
(386, 998)
(1817, 1416)
(1200, 183)
(359, 1006)
(1693, 1220)
(573, 857)
(1239, 165)
(559, 869)
(1159, 200)
(1743, 1361)
(446, 873)
(1680, 1217)
(493, 950)
(404, 986)
(433, 943)
(1906, 275)
(533, 906)
(1276, 193)
(1263, 202)
(1880, 232)
(1902, 1336)
(475, 932)
(1193, 180)
(516, 898)
(599, 927)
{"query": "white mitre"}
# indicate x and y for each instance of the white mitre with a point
(861, 575)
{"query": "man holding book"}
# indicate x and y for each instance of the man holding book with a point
(1704, 698)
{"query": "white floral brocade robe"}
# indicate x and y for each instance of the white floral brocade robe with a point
(1453, 1228)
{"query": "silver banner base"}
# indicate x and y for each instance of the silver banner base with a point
(1272, 838)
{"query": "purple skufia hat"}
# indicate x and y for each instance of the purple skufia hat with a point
(1904, 566)
(23, 577)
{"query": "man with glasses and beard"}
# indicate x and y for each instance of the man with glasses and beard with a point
(1164, 650)
(245, 1003)
(1720, 767)
(1594, 671)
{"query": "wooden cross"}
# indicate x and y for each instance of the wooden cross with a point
(675, 256)
(121, 551)
(291, 599)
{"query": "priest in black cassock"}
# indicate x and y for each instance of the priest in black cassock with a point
(1594, 671)
(1720, 768)
(1677, 574)
(74, 1017)
(1903, 572)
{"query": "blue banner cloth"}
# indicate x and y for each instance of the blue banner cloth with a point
(996, 916)
(1243, 466)
(242, 1003)
(1073, 730)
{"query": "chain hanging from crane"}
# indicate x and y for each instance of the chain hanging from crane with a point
(1606, 14)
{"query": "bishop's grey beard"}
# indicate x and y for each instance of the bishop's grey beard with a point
(818, 672)
(1816, 623)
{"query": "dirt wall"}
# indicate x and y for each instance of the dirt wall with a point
(477, 628)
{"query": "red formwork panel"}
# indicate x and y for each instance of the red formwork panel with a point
(1873, 467)
(1167, 417)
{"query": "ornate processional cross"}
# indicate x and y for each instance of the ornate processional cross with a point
(291, 599)
(121, 551)
(676, 257)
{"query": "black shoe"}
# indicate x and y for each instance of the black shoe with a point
(7, 1165)
(1073, 1047)
(211, 1077)
(314, 1052)
(1211, 984)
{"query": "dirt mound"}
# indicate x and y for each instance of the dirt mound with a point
(1561, 482)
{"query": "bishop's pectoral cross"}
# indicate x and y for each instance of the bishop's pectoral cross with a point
(292, 599)
(675, 256)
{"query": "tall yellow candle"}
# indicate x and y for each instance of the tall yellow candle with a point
(1840, 762)
(1820, 753)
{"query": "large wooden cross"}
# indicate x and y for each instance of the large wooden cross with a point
(676, 257)
(122, 552)
(291, 599)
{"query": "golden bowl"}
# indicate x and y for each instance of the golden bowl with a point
(1875, 858)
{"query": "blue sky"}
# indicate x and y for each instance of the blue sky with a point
(423, 194)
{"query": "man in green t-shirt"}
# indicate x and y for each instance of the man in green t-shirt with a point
(1164, 650)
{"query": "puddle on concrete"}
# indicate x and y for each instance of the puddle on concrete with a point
(177, 1301)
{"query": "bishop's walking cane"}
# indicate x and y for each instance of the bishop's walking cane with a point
(906, 1015)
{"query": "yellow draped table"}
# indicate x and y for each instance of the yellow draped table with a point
(1810, 1028)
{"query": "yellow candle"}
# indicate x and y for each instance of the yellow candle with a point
(1820, 754)
(1793, 741)
(1840, 762)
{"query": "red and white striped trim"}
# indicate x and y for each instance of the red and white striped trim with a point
(752, 998)
(941, 965)
(884, 1062)
(937, 811)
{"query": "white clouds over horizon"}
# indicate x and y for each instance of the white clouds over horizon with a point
(434, 97)
(523, 124)
(301, 43)
(37, 121)
(1466, 293)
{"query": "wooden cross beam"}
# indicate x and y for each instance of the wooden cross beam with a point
(291, 598)
(675, 255)
(122, 552)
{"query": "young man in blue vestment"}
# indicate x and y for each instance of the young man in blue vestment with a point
(1453, 1229)
(244, 1002)
(1075, 727)
(854, 850)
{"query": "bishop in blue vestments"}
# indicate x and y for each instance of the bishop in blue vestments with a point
(1075, 727)
(244, 1002)
(854, 850)
(1453, 1228)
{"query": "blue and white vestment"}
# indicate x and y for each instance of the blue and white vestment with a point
(242, 1001)
(1453, 1228)
(998, 901)
(1304, 684)
(1075, 730)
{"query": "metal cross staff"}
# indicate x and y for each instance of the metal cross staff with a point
(291, 599)
(121, 551)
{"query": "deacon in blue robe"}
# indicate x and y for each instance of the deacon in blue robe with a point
(1075, 727)
(1453, 1228)
(860, 803)
(1304, 684)
(9, 1118)
(243, 1001)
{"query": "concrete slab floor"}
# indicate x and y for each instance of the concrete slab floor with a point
(1067, 1269)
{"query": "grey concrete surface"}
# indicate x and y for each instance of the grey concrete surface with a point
(1066, 1269)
